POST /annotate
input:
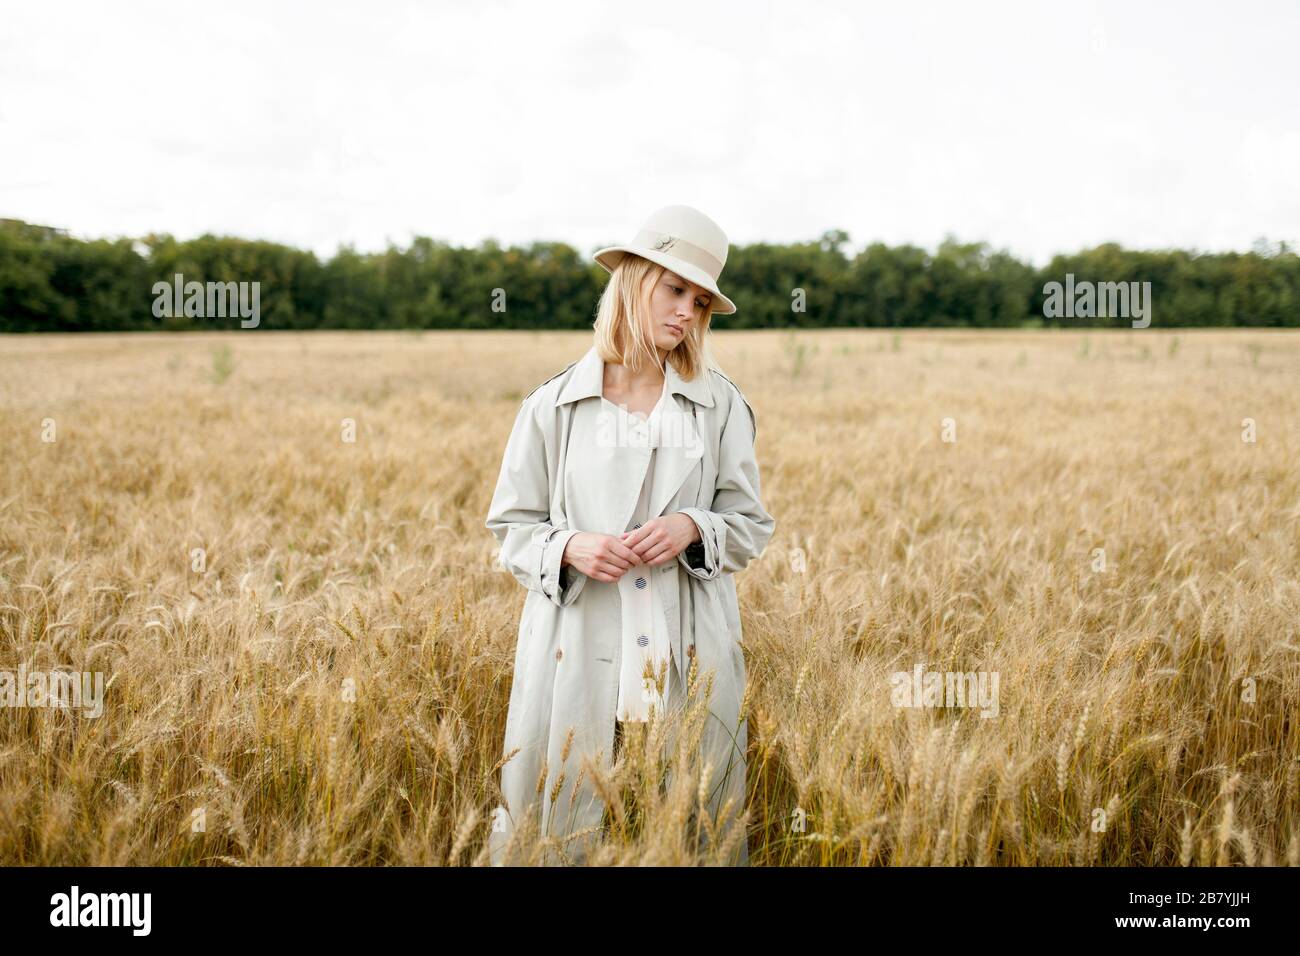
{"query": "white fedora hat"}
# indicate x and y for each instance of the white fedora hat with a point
(683, 239)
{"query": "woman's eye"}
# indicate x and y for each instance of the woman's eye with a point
(675, 289)
(700, 304)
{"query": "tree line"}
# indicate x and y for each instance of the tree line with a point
(52, 282)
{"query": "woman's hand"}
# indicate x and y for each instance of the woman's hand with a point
(602, 557)
(661, 539)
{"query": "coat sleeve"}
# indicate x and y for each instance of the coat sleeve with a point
(736, 528)
(520, 517)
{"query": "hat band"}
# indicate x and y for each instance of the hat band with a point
(683, 249)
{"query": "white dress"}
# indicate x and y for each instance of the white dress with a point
(645, 631)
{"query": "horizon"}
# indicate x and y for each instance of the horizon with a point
(850, 248)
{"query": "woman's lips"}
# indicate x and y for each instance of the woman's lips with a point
(676, 328)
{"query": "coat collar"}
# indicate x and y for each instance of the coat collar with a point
(588, 381)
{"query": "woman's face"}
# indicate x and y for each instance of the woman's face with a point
(675, 305)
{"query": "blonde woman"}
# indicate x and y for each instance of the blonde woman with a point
(628, 497)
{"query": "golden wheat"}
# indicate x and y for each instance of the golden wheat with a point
(308, 649)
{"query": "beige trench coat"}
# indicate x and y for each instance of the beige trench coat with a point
(569, 642)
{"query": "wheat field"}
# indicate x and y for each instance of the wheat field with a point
(307, 649)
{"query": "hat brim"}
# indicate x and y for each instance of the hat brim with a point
(610, 257)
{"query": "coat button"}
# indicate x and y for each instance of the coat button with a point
(558, 653)
(690, 651)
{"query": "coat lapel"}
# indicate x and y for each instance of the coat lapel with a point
(588, 380)
(681, 442)
(679, 451)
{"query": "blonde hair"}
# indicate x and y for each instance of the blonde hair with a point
(623, 322)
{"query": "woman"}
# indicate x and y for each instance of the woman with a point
(628, 496)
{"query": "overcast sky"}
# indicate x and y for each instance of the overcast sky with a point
(1039, 127)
